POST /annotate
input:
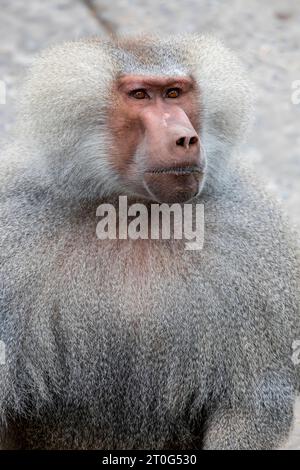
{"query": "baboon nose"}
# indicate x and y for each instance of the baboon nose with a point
(187, 141)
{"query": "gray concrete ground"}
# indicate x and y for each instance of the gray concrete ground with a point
(265, 34)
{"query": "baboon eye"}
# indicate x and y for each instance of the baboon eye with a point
(173, 93)
(139, 94)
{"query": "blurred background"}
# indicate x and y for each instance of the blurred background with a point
(264, 33)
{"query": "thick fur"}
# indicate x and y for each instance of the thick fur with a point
(139, 344)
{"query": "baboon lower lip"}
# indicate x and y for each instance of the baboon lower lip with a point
(180, 170)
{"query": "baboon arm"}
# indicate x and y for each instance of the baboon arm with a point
(238, 429)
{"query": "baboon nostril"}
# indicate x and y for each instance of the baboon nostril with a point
(193, 140)
(181, 141)
(186, 142)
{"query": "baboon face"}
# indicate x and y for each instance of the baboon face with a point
(133, 117)
(155, 148)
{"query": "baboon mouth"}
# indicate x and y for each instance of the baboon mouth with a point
(180, 170)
